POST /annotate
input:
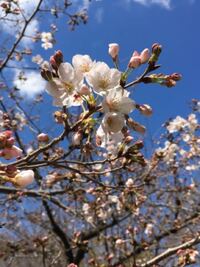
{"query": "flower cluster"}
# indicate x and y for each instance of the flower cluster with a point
(7, 148)
(183, 142)
(93, 84)
(47, 40)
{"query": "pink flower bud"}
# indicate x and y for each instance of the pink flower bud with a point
(13, 152)
(145, 55)
(145, 110)
(10, 142)
(24, 178)
(136, 126)
(11, 169)
(113, 50)
(134, 62)
(42, 137)
(59, 56)
(53, 62)
(135, 54)
(7, 134)
(84, 90)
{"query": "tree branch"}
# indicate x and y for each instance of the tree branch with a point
(171, 251)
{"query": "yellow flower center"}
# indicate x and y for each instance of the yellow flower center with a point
(103, 84)
(85, 68)
(69, 87)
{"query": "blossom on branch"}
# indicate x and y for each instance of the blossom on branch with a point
(102, 78)
(24, 178)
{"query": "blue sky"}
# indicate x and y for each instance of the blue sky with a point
(135, 25)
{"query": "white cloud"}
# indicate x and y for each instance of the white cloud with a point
(31, 86)
(163, 3)
(13, 28)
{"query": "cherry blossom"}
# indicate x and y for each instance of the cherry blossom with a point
(117, 100)
(177, 124)
(102, 78)
(82, 64)
(47, 40)
(65, 88)
(24, 178)
(113, 50)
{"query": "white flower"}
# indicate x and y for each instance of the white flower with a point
(177, 124)
(46, 36)
(37, 59)
(110, 141)
(117, 100)
(47, 40)
(82, 63)
(102, 78)
(169, 151)
(193, 122)
(24, 178)
(113, 122)
(47, 45)
(64, 89)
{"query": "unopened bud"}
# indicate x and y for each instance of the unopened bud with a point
(134, 62)
(176, 76)
(113, 50)
(56, 59)
(11, 169)
(24, 178)
(7, 134)
(144, 56)
(136, 126)
(10, 142)
(145, 109)
(156, 49)
(53, 62)
(59, 57)
(42, 137)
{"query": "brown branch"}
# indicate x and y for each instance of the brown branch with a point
(38, 194)
(56, 140)
(140, 79)
(2, 66)
(60, 233)
(94, 233)
(171, 251)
